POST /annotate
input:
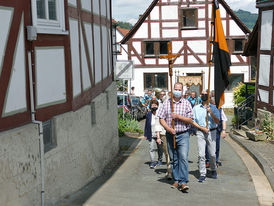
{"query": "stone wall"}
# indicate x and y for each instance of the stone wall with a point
(261, 115)
(83, 150)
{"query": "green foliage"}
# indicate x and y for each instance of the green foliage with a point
(239, 93)
(127, 124)
(268, 127)
(249, 19)
(124, 25)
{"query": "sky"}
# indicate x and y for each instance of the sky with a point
(129, 10)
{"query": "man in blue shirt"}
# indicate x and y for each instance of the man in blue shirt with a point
(193, 99)
(147, 98)
(206, 139)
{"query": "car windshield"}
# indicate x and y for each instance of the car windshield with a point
(120, 99)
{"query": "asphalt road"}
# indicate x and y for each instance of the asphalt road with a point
(135, 184)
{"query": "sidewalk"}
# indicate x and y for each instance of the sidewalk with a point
(262, 152)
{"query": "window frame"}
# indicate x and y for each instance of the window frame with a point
(46, 26)
(233, 45)
(152, 81)
(182, 15)
(156, 48)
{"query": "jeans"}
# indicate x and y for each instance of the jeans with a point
(179, 156)
(218, 139)
(209, 141)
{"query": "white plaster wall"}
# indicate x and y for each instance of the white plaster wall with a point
(76, 161)
(193, 33)
(137, 46)
(97, 53)
(103, 8)
(86, 5)
(16, 95)
(179, 60)
(75, 61)
(222, 11)
(95, 4)
(224, 27)
(201, 24)
(264, 95)
(155, 30)
(266, 29)
(176, 46)
(150, 61)
(154, 14)
(170, 24)
(88, 30)
(50, 75)
(123, 55)
(135, 60)
(6, 14)
(170, 33)
(72, 3)
(234, 59)
(108, 9)
(201, 13)
(235, 29)
(105, 54)
(85, 70)
(264, 71)
(142, 32)
(197, 46)
(169, 12)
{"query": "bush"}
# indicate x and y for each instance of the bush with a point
(239, 93)
(127, 124)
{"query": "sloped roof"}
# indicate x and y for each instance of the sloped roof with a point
(153, 4)
(252, 42)
(122, 30)
(139, 22)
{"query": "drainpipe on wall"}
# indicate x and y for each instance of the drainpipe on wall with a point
(41, 137)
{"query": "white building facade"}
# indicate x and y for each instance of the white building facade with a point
(186, 24)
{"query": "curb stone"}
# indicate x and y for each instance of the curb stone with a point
(257, 157)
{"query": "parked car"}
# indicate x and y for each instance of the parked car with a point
(132, 104)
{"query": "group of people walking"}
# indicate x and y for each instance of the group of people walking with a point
(189, 115)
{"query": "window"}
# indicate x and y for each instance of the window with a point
(189, 18)
(238, 45)
(150, 48)
(48, 16)
(163, 47)
(234, 80)
(155, 48)
(155, 80)
(49, 137)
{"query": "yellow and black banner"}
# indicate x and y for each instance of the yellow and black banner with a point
(221, 57)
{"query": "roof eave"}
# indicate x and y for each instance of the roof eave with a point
(139, 22)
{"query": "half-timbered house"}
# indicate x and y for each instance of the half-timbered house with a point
(261, 44)
(57, 98)
(186, 24)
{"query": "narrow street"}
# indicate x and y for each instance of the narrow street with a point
(134, 183)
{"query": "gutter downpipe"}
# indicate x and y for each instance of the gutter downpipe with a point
(41, 136)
